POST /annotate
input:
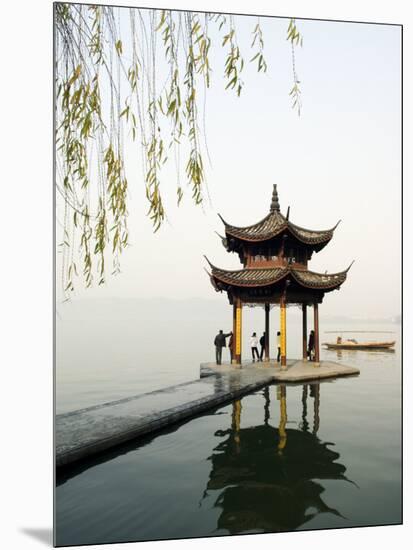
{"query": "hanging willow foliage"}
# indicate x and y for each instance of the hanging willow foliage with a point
(109, 87)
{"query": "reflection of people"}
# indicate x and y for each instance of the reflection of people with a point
(311, 346)
(254, 346)
(262, 344)
(278, 346)
(219, 344)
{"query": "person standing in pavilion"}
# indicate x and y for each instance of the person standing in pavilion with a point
(231, 346)
(254, 347)
(311, 346)
(262, 344)
(278, 346)
(220, 343)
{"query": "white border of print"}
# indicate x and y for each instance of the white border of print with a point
(26, 274)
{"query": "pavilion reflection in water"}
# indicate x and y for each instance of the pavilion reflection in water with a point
(266, 476)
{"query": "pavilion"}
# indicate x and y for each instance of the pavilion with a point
(275, 253)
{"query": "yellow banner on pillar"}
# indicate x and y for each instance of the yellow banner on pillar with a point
(238, 330)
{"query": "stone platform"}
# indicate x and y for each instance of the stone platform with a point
(296, 371)
(82, 433)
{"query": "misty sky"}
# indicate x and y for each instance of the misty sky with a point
(339, 160)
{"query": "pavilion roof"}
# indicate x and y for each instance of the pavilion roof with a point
(275, 223)
(258, 277)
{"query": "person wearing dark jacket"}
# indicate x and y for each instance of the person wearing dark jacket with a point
(311, 346)
(262, 344)
(219, 344)
(278, 346)
(231, 346)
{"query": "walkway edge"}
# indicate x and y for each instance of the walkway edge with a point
(92, 430)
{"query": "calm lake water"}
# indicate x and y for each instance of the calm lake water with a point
(284, 458)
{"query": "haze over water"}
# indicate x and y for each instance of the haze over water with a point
(110, 349)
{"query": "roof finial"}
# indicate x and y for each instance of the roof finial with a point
(275, 205)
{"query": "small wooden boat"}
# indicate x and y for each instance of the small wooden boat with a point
(353, 344)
